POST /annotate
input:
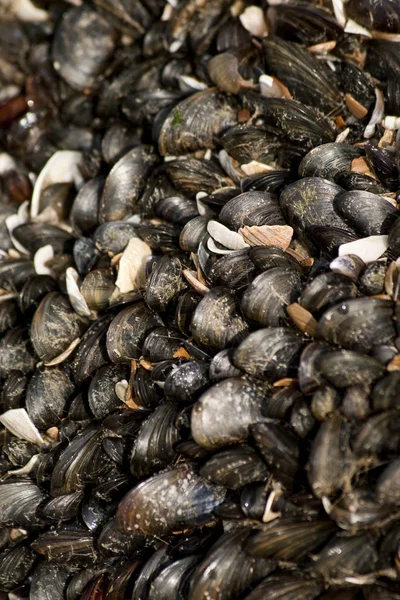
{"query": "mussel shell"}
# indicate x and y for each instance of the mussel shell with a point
(173, 580)
(46, 396)
(309, 202)
(288, 539)
(187, 381)
(358, 324)
(163, 283)
(367, 213)
(97, 288)
(33, 292)
(80, 59)
(330, 457)
(307, 79)
(222, 366)
(192, 233)
(270, 353)
(234, 270)
(291, 585)
(235, 467)
(19, 501)
(387, 485)
(329, 161)
(154, 446)
(91, 353)
(35, 235)
(16, 352)
(48, 582)
(173, 500)
(342, 555)
(66, 545)
(15, 565)
(55, 326)
(386, 392)
(214, 422)
(216, 322)
(125, 183)
(63, 508)
(251, 208)
(15, 272)
(280, 448)
(233, 570)
(265, 299)
(85, 207)
(129, 330)
(114, 236)
(101, 395)
(343, 368)
(325, 290)
(188, 127)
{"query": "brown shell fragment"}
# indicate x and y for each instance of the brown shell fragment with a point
(267, 235)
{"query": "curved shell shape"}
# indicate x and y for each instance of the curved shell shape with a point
(188, 127)
(170, 501)
(358, 324)
(18, 503)
(128, 331)
(55, 326)
(227, 570)
(216, 322)
(125, 183)
(251, 208)
(224, 413)
(81, 57)
(265, 299)
(269, 353)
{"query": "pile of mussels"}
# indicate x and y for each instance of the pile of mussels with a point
(199, 300)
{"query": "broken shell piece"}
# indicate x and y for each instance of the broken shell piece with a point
(14, 221)
(26, 469)
(302, 318)
(368, 249)
(271, 87)
(191, 278)
(391, 123)
(41, 258)
(229, 239)
(254, 167)
(75, 296)
(121, 389)
(62, 167)
(340, 13)
(356, 108)
(267, 235)
(252, 19)
(132, 266)
(353, 27)
(377, 114)
(323, 47)
(19, 423)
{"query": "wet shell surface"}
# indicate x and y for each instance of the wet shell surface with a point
(199, 300)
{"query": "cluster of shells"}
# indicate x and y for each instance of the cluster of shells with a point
(199, 300)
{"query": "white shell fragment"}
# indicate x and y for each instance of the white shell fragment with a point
(19, 423)
(16, 220)
(121, 388)
(7, 163)
(132, 266)
(75, 296)
(62, 167)
(340, 13)
(254, 167)
(267, 235)
(226, 237)
(26, 469)
(377, 114)
(391, 123)
(252, 19)
(353, 27)
(368, 249)
(44, 254)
